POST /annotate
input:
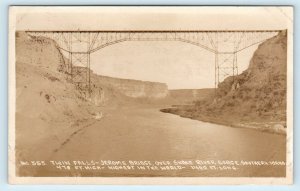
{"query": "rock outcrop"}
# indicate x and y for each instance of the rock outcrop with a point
(260, 91)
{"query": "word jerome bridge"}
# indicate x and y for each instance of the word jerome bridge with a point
(223, 44)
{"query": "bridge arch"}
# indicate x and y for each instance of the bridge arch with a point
(128, 40)
(225, 45)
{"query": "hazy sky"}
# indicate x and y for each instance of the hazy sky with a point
(178, 64)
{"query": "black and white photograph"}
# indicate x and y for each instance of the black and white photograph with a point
(189, 95)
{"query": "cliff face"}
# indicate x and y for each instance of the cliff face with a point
(115, 91)
(39, 52)
(260, 91)
(135, 88)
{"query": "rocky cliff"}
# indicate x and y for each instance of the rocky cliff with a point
(260, 91)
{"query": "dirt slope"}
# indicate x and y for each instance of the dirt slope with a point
(48, 107)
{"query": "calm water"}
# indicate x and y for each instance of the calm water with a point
(148, 134)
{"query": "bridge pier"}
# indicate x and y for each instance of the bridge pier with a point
(80, 70)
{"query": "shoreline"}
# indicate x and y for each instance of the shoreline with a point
(267, 129)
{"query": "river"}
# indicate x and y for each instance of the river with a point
(145, 133)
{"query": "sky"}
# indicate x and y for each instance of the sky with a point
(179, 65)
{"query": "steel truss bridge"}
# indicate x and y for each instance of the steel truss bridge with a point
(224, 45)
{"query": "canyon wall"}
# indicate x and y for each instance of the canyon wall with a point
(135, 88)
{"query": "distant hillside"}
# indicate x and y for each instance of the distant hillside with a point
(189, 96)
(134, 88)
(257, 96)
